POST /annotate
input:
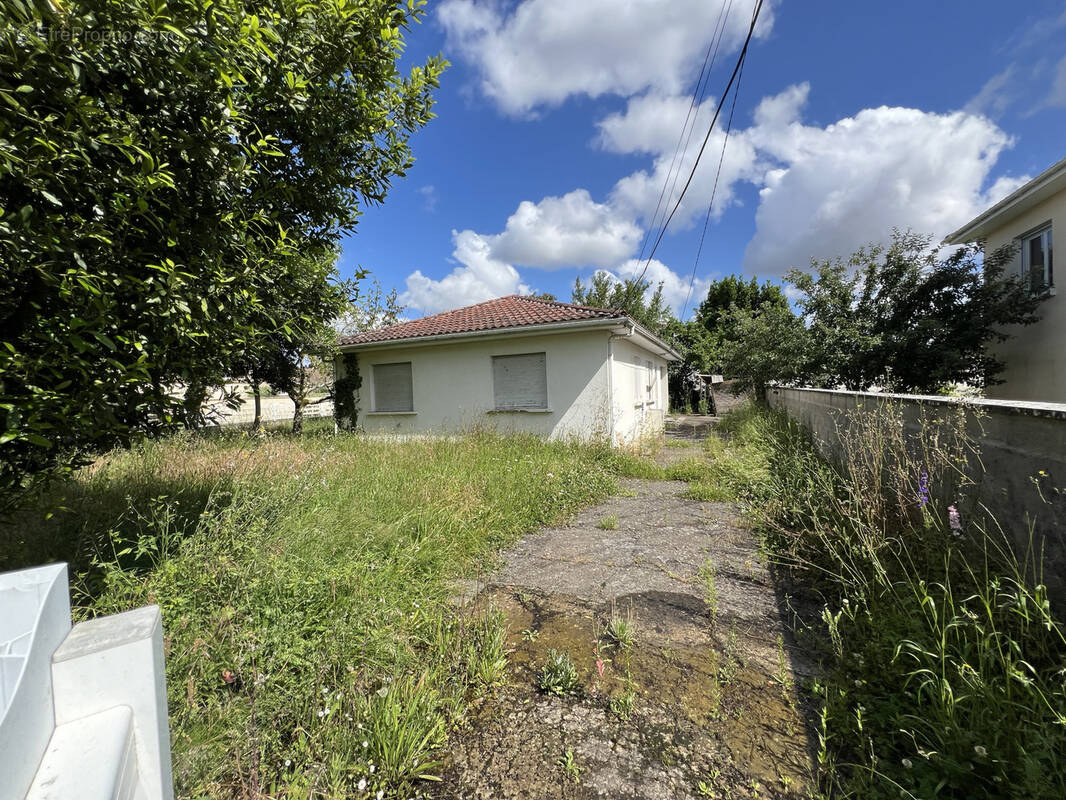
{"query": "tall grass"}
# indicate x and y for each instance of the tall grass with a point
(311, 649)
(945, 660)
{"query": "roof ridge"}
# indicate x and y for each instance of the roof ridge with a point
(599, 309)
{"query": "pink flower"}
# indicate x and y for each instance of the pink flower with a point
(600, 666)
(954, 520)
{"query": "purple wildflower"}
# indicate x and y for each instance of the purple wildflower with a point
(923, 489)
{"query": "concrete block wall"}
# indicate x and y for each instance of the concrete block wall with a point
(83, 710)
(1022, 467)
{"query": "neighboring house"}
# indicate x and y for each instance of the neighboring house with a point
(1035, 355)
(515, 364)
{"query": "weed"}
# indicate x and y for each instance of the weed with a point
(944, 657)
(620, 632)
(568, 764)
(608, 523)
(530, 635)
(317, 571)
(710, 591)
(558, 675)
(624, 704)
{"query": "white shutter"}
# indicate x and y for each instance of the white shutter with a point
(520, 381)
(392, 387)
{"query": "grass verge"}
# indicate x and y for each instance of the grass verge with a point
(315, 574)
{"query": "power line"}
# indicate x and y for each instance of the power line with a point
(714, 191)
(706, 138)
(709, 58)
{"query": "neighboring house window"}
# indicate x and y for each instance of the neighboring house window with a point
(392, 387)
(520, 382)
(1036, 260)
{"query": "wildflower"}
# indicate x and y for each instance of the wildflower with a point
(600, 666)
(288, 762)
(366, 744)
(981, 751)
(371, 769)
(380, 794)
(923, 489)
(361, 785)
(954, 520)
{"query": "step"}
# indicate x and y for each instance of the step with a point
(92, 758)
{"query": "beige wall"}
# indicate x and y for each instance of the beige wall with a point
(634, 414)
(1035, 355)
(1022, 457)
(452, 386)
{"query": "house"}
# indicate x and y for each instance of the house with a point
(517, 364)
(1035, 355)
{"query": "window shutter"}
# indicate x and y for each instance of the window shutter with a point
(520, 381)
(392, 387)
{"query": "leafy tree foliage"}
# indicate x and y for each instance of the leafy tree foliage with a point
(370, 307)
(295, 357)
(902, 317)
(161, 165)
(899, 317)
(631, 296)
(733, 291)
(761, 346)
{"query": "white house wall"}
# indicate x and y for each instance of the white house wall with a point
(1034, 355)
(453, 391)
(635, 416)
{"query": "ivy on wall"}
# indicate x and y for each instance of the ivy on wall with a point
(345, 388)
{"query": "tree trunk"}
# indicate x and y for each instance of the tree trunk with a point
(298, 415)
(195, 393)
(257, 420)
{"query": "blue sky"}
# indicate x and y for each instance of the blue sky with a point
(557, 122)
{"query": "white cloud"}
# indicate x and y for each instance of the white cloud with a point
(429, 196)
(675, 287)
(480, 277)
(541, 52)
(838, 187)
(567, 231)
(1056, 97)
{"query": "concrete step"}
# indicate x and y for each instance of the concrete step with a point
(92, 758)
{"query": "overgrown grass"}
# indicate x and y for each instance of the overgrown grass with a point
(319, 571)
(945, 662)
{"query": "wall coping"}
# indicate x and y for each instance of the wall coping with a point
(1023, 408)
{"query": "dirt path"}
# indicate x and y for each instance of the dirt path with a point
(711, 676)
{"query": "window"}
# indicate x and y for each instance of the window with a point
(649, 382)
(1036, 260)
(520, 382)
(392, 388)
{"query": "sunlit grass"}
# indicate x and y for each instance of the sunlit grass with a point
(319, 570)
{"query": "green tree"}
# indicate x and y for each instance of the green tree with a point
(632, 296)
(762, 346)
(370, 307)
(903, 317)
(733, 291)
(160, 165)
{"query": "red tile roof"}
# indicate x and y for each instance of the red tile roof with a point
(513, 311)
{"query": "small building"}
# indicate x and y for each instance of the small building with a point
(516, 364)
(1034, 356)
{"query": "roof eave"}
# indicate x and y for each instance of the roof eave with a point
(1011, 205)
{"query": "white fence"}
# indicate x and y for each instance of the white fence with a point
(83, 710)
